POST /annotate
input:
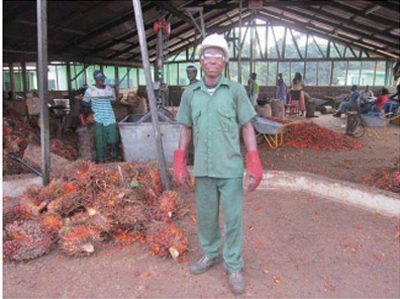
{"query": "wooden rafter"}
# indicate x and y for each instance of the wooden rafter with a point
(321, 33)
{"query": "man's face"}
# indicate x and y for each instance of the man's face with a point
(191, 74)
(100, 82)
(212, 62)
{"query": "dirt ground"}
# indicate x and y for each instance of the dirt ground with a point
(343, 165)
(295, 245)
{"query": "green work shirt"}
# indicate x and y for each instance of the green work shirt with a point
(216, 122)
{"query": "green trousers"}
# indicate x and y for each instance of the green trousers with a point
(209, 193)
(105, 135)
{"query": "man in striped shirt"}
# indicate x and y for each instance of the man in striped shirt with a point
(100, 97)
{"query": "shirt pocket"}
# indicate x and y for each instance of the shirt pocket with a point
(226, 119)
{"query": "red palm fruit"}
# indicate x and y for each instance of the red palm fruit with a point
(166, 238)
(14, 210)
(52, 223)
(29, 240)
(169, 202)
(79, 240)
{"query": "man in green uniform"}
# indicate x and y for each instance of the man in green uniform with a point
(191, 72)
(214, 110)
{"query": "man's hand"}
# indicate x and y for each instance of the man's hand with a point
(254, 171)
(180, 170)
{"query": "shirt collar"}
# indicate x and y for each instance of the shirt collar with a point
(222, 81)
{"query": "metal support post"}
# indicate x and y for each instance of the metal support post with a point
(150, 91)
(41, 11)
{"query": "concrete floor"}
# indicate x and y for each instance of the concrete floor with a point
(295, 245)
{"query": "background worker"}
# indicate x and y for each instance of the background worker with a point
(350, 102)
(381, 101)
(253, 88)
(309, 102)
(191, 72)
(394, 102)
(100, 97)
(215, 110)
(281, 89)
(367, 94)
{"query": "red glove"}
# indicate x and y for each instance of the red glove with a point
(181, 173)
(254, 171)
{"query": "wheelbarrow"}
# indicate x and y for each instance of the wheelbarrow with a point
(271, 131)
(359, 124)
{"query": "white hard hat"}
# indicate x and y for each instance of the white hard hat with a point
(215, 41)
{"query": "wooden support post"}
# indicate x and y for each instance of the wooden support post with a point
(69, 82)
(41, 10)
(359, 74)
(331, 74)
(85, 66)
(284, 43)
(150, 92)
(266, 55)
(276, 42)
(305, 58)
(337, 50)
(251, 25)
(375, 67)
(12, 79)
(25, 80)
(347, 71)
(240, 44)
(296, 45)
(116, 72)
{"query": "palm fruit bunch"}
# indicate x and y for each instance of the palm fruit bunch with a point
(164, 238)
(170, 203)
(65, 205)
(26, 240)
(14, 210)
(52, 224)
(79, 240)
(396, 182)
(91, 218)
(130, 217)
(58, 197)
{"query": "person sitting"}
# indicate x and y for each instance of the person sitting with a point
(351, 101)
(394, 102)
(381, 101)
(296, 96)
(262, 109)
(367, 94)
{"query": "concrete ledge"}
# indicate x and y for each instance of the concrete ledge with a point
(373, 199)
(17, 187)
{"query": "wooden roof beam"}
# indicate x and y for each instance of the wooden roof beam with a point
(343, 6)
(104, 28)
(377, 34)
(317, 32)
(129, 35)
(320, 15)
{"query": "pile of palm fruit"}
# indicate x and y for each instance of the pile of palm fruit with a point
(89, 205)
